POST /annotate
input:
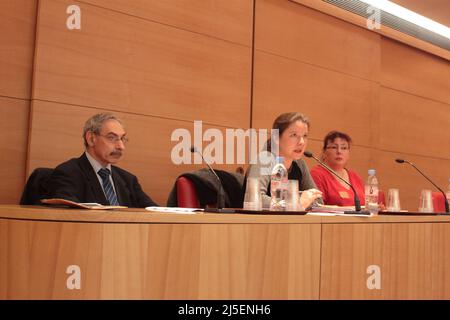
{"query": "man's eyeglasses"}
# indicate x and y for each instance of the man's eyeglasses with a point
(113, 138)
(335, 148)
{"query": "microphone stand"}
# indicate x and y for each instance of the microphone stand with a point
(355, 198)
(412, 164)
(220, 191)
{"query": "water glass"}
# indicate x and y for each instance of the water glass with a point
(292, 198)
(252, 198)
(393, 203)
(426, 201)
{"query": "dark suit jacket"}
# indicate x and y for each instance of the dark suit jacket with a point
(76, 180)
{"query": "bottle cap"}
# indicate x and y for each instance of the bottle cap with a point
(372, 172)
(279, 160)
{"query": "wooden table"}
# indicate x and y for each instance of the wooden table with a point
(54, 253)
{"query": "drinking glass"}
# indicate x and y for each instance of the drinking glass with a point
(252, 198)
(393, 203)
(292, 198)
(426, 201)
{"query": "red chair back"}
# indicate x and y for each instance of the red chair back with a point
(186, 194)
(438, 202)
(381, 198)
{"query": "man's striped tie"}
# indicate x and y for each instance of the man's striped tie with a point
(107, 187)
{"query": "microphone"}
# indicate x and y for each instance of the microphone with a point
(356, 198)
(220, 195)
(445, 197)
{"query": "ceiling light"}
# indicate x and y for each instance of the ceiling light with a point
(408, 15)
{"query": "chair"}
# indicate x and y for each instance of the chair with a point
(199, 189)
(186, 193)
(34, 189)
(438, 202)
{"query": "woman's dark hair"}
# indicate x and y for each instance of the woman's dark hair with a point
(332, 135)
(284, 120)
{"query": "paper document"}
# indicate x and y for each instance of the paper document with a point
(333, 214)
(333, 209)
(175, 210)
(85, 205)
(330, 210)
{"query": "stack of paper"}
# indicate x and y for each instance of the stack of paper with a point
(175, 210)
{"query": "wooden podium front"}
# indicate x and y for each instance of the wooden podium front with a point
(50, 253)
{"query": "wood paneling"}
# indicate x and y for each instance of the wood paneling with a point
(126, 254)
(412, 259)
(17, 34)
(13, 150)
(128, 64)
(277, 254)
(334, 11)
(407, 179)
(414, 71)
(436, 10)
(225, 19)
(411, 124)
(332, 100)
(292, 30)
(159, 261)
(55, 139)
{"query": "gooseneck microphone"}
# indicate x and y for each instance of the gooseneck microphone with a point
(356, 198)
(412, 164)
(220, 195)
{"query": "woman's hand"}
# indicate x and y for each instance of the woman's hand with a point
(307, 197)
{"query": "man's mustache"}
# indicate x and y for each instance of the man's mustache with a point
(116, 153)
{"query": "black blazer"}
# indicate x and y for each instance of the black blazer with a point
(77, 181)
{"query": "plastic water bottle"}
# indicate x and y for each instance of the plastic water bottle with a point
(278, 186)
(371, 192)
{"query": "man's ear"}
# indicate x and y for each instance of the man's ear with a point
(90, 138)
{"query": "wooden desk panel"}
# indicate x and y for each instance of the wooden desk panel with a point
(135, 254)
(414, 259)
(159, 261)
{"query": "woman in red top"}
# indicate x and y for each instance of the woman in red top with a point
(336, 153)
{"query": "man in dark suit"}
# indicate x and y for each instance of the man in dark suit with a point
(92, 177)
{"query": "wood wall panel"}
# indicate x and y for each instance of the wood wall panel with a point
(54, 140)
(436, 10)
(159, 261)
(230, 20)
(410, 257)
(128, 64)
(411, 124)
(292, 30)
(17, 34)
(332, 100)
(414, 71)
(404, 177)
(13, 151)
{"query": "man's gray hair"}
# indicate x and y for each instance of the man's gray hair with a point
(95, 123)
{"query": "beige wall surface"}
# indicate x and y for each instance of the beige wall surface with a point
(231, 64)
